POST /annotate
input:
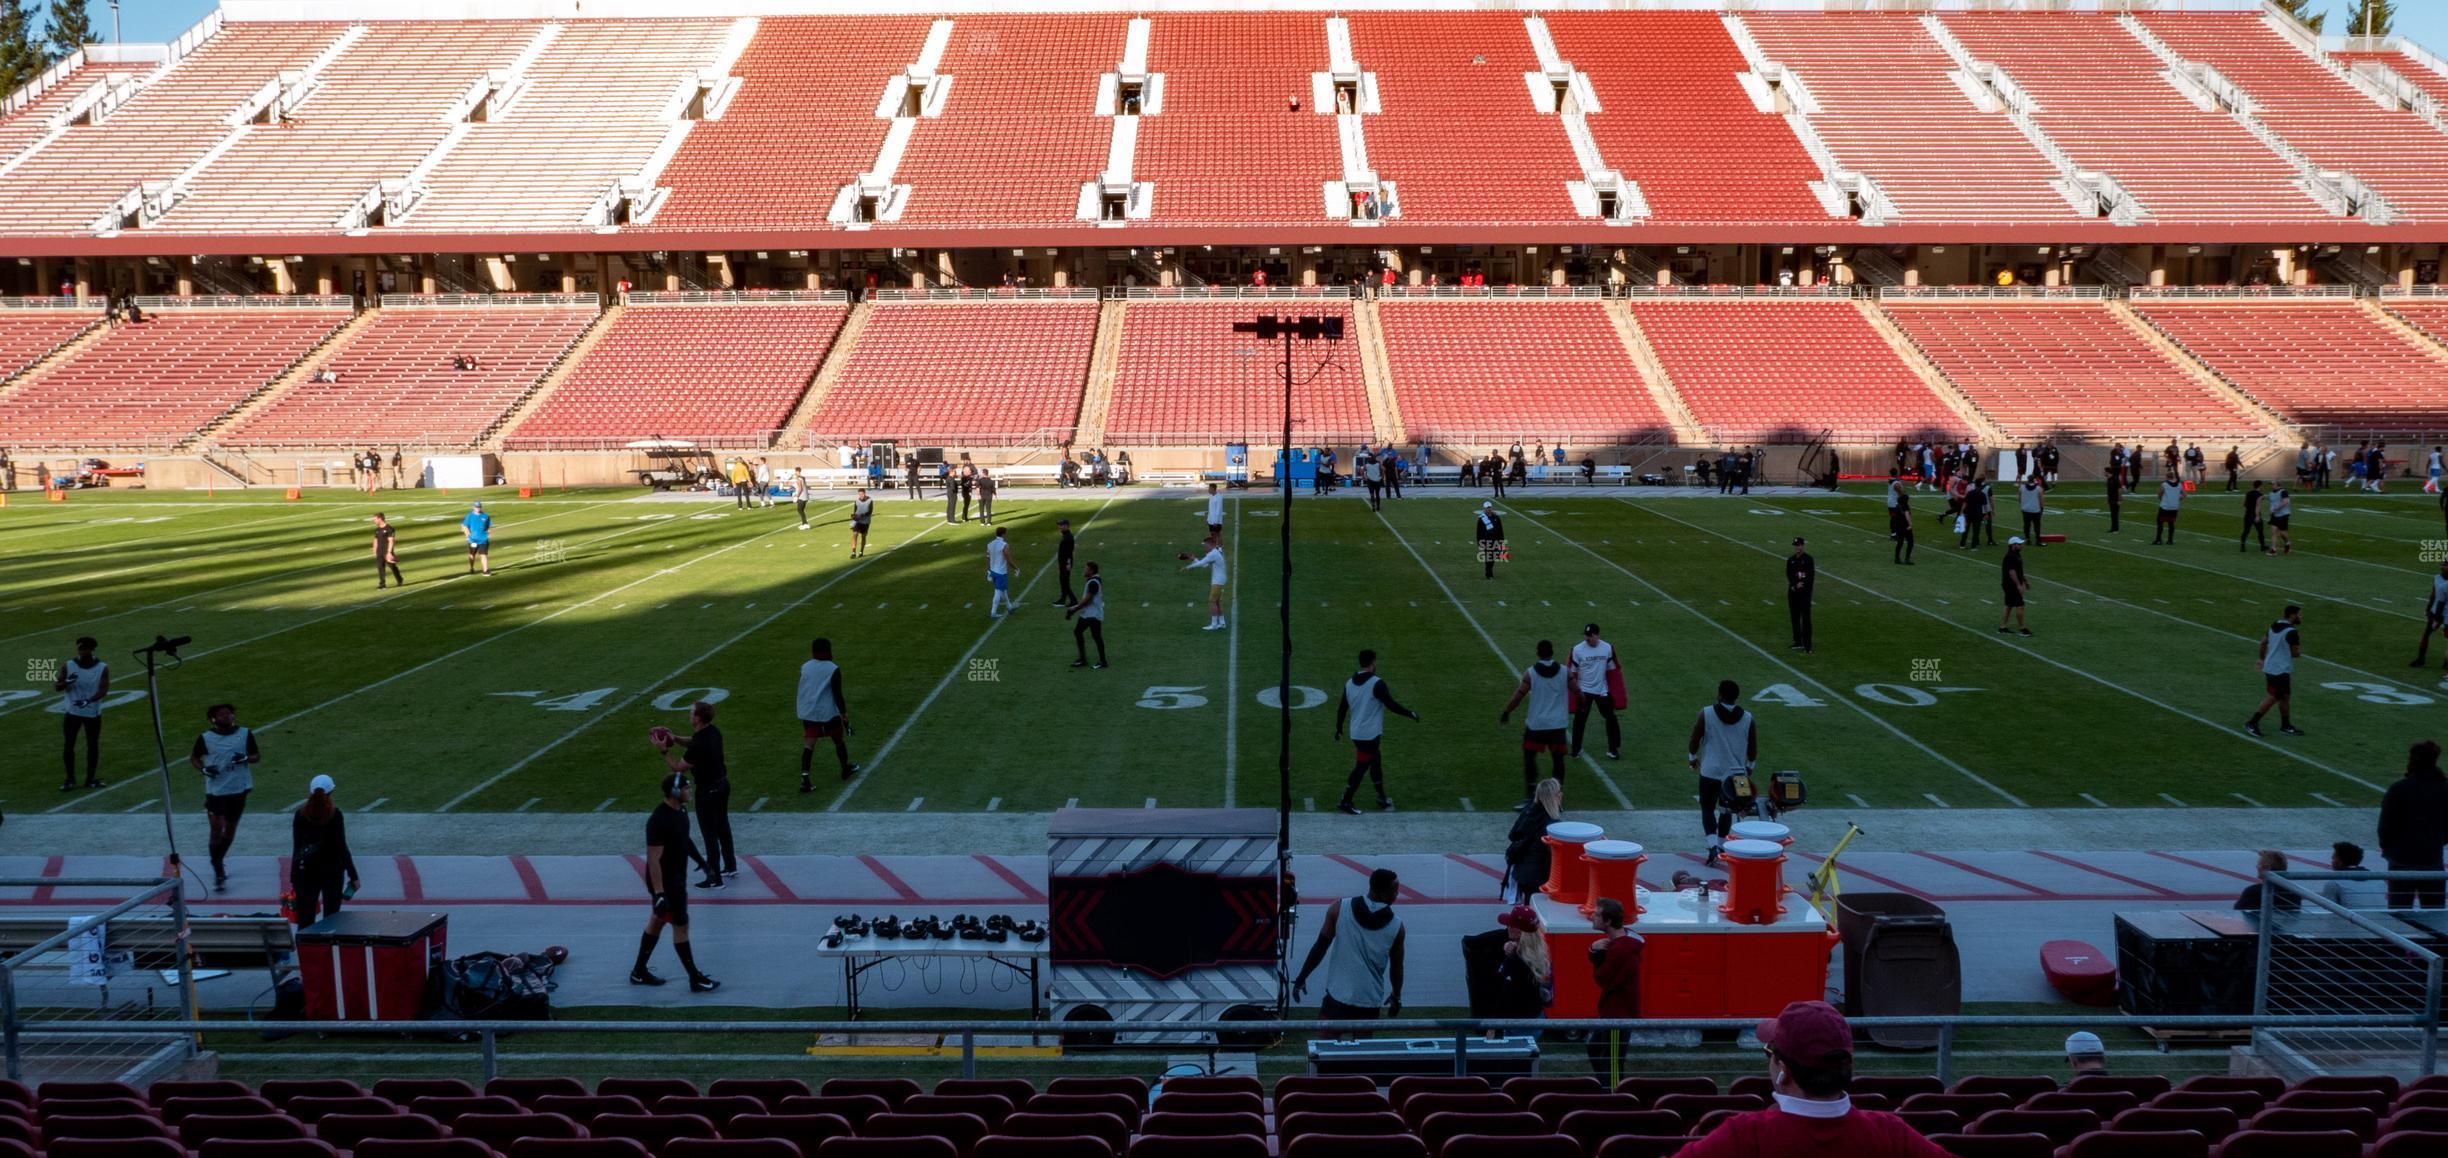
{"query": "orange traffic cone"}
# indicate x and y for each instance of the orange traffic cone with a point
(293, 494)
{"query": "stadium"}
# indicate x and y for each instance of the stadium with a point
(1343, 369)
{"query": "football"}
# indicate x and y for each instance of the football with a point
(661, 735)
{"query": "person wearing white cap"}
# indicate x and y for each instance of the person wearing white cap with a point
(2085, 1054)
(1488, 529)
(2016, 584)
(322, 872)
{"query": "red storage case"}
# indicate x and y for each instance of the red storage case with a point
(370, 965)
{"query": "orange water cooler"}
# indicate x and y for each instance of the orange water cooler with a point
(1568, 873)
(1614, 871)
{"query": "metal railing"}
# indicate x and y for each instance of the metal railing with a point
(487, 301)
(989, 294)
(2239, 292)
(2318, 957)
(1710, 292)
(1143, 293)
(1993, 292)
(967, 1042)
(246, 302)
(733, 297)
(49, 302)
(98, 999)
(1496, 292)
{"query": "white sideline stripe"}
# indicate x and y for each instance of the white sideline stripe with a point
(1932, 797)
(2326, 800)
(2010, 644)
(2292, 592)
(683, 669)
(1232, 672)
(355, 560)
(456, 653)
(958, 666)
(2173, 800)
(1501, 657)
(2096, 802)
(2248, 800)
(1790, 669)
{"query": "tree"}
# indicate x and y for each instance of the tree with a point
(71, 27)
(20, 59)
(2370, 17)
(2301, 10)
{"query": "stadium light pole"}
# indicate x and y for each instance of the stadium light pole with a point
(1268, 328)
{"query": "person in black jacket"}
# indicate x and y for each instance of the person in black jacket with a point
(1525, 973)
(1527, 857)
(2414, 827)
(1487, 529)
(1801, 579)
(1064, 551)
(322, 873)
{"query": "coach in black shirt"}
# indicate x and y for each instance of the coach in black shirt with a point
(702, 758)
(1801, 579)
(668, 853)
(1063, 552)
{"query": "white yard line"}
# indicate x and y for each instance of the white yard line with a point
(677, 672)
(1797, 673)
(958, 666)
(1501, 658)
(47, 556)
(460, 651)
(2010, 644)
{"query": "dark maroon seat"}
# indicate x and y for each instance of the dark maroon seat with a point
(2241, 1103)
(162, 1091)
(806, 1131)
(179, 1109)
(894, 1091)
(2138, 1144)
(1593, 1127)
(103, 1126)
(402, 1091)
(16, 1091)
(992, 1108)
(2418, 1118)
(1931, 1123)
(1355, 1146)
(1306, 1122)
(500, 1130)
(2104, 1103)
(197, 1129)
(1332, 1102)
(1709, 1122)
(1445, 1126)
(1510, 1146)
(2016, 1087)
(1214, 1084)
(2302, 1120)
(2211, 1122)
(16, 1129)
(1017, 1090)
(1554, 1107)
(282, 1091)
(1107, 1128)
(1202, 1125)
(770, 1091)
(1995, 1145)
(446, 1110)
(525, 1091)
(2380, 1082)
(1103, 1084)
(2059, 1126)
(144, 1147)
(89, 1090)
(1969, 1105)
(1049, 1146)
(962, 1130)
(583, 1108)
(1324, 1084)
(1525, 1090)
(577, 1148)
(1642, 1146)
(313, 1108)
(2143, 1086)
(16, 1148)
(2287, 1144)
(345, 1131)
(729, 1148)
(712, 1109)
(1693, 1107)
(654, 1131)
(1411, 1086)
(266, 1148)
(1209, 1102)
(2262, 1085)
(887, 1148)
(1221, 1146)
(1422, 1104)
(2410, 1099)
(648, 1091)
(1898, 1087)
(854, 1108)
(2376, 1101)
(423, 1148)
(1649, 1090)
(52, 1107)
(2411, 1144)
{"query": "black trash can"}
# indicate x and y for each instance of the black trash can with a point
(1900, 960)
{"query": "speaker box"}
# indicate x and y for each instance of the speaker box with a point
(2168, 963)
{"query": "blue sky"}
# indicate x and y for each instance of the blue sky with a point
(161, 20)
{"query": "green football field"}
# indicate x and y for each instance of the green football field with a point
(534, 689)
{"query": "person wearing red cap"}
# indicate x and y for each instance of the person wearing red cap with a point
(1525, 974)
(1810, 1062)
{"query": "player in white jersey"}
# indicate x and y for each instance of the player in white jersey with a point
(1724, 742)
(2280, 648)
(226, 754)
(1546, 686)
(1363, 707)
(824, 712)
(82, 683)
(1213, 561)
(999, 571)
(2435, 618)
(1088, 616)
(2281, 515)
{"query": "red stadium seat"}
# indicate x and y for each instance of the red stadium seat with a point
(2410, 1144)
(178, 1109)
(313, 1108)
(577, 1148)
(2241, 1103)
(1693, 1107)
(129, 1147)
(1996, 1145)
(1525, 1090)
(103, 1126)
(54, 1106)
(1897, 1087)
(2060, 1126)
(2211, 1122)
(1204, 1146)
(1442, 1127)
(1420, 1104)
(1323, 1145)
(346, 1131)
(1214, 1084)
(806, 1131)
(2265, 1087)
(1049, 1146)
(2377, 1101)
(1204, 1102)
(2103, 1103)
(405, 1090)
(653, 1131)
(266, 1148)
(962, 1130)
(1969, 1105)
(1649, 1090)
(1931, 1123)
(853, 1108)
(2138, 1144)
(1360, 1125)
(2142, 1086)
(648, 1091)
(1135, 1088)
(2362, 1123)
(525, 1091)
(921, 1147)
(1556, 1107)
(197, 1129)
(449, 1109)
(422, 1148)
(1290, 1084)
(894, 1091)
(1332, 1102)
(1107, 1128)
(15, 1148)
(770, 1091)
(161, 1092)
(1641, 1146)
(16, 1091)
(1593, 1127)
(2250, 1143)
(728, 1148)
(2018, 1089)
(1510, 1146)
(712, 1109)
(499, 1130)
(1017, 1091)
(992, 1108)
(1164, 1124)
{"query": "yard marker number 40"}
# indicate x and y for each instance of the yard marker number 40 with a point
(1892, 695)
